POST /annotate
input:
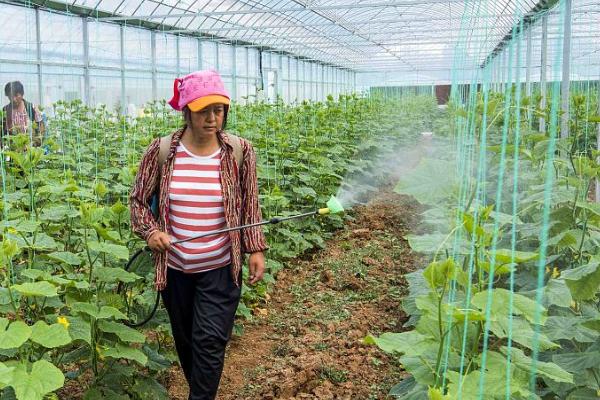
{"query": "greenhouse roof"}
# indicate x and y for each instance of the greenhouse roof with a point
(361, 35)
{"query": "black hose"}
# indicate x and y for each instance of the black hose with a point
(156, 302)
(274, 220)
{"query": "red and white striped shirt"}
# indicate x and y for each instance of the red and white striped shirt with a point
(196, 206)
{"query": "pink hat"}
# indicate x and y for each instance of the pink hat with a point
(199, 90)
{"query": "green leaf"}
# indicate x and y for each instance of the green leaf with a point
(114, 250)
(6, 375)
(9, 249)
(50, 336)
(148, 388)
(569, 328)
(113, 275)
(58, 213)
(43, 379)
(408, 389)
(557, 293)
(22, 225)
(405, 342)
(118, 208)
(501, 303)
(593, 207)
(439, 273)
(549, 370)
(65, 257)
(503, 256)
(305, 192)
(469, 388)
(129, 353)
(575, 362)
(105, 234)
(17, 333)
(521, 333)
(42, 289)
(584, 281)
(44, 242)
(105, 312)
(80, 329)
(124, 333)
(584, 394)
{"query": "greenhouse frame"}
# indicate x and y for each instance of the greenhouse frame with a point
(293, 49)
(300, 199)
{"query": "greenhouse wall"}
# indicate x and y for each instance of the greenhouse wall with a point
(67, 57)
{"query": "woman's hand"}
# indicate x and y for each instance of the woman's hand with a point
(159, 241)
(256, 265)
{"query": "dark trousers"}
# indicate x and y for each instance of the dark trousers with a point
(201, 309)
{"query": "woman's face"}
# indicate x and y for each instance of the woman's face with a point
(208, 120)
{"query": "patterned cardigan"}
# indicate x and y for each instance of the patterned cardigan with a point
(240, 201)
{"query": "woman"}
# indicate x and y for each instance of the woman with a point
(201, 188)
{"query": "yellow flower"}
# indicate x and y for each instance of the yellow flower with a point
(63, 321)
(555, 273)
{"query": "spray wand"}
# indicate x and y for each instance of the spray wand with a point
(333, 207)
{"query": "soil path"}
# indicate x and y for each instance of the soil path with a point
(305, 343)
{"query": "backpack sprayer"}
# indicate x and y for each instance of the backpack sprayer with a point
(141, 263)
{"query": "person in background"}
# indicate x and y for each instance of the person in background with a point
(20, 116)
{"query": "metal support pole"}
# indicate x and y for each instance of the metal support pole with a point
(86, 62)
(122, 41)
(565, 84)
(217, 57)
(234, 73)
(598, 143)
(153, 61)
(279, 75)
(38, 37)
(528, 73)
(544, 65)
(505, 67)
(528, 63)
(501, 72)
(199, 55)
(178, 55)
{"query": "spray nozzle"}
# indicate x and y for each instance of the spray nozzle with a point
(333, 206)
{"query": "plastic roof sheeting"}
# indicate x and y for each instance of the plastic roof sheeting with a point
(361, 35)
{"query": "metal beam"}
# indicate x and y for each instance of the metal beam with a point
(525, 22)
(96, 15)
(410, 18)
(405, 33)
(334, 7)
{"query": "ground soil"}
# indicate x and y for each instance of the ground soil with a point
(306, 341)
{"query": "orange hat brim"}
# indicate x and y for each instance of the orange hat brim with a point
(206, 101)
